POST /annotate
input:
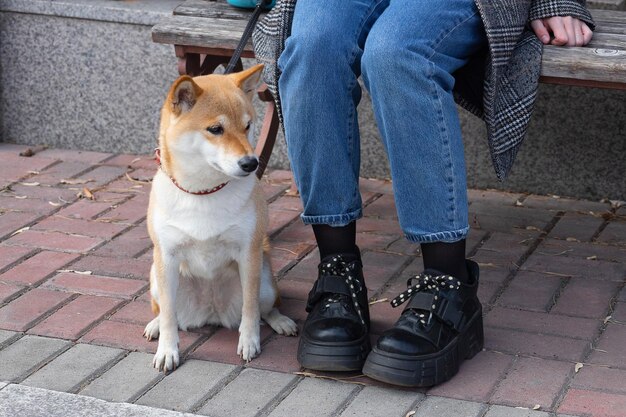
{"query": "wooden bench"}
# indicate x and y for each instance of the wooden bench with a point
(206, 32)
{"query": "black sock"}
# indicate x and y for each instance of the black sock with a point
(331, 240)
(448, 258)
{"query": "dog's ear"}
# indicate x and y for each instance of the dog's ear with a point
(248, 80)
(183, 95)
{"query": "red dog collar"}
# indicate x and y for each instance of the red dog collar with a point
(157, 156)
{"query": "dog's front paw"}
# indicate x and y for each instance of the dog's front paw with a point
(152, 329)
(166, 359)
(249, 346)
(281, 324)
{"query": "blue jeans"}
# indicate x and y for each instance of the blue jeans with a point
(406, 51)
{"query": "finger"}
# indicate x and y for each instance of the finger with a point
(555, 24)
(568, 23)
(540, 30)
(587, 33)
(578, 31)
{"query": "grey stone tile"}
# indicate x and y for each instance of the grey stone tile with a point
(3, 384)
(260, 388)
(135, 370)
(440, 406)
(7, 337)
(27, 354)
(74, 367)
(503, 411)
(186, 386)
(20, 400)
(314, 398)
(377, 401)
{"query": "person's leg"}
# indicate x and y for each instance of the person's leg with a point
(319, 94)
(410, 56)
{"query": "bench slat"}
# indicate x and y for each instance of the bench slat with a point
(210, 9)
(608, 41)
(608, 16)
(198, 31)
(586, 64)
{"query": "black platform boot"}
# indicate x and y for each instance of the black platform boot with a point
(440, 327)
(335, 335)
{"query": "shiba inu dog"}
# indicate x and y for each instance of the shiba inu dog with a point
(207, 218)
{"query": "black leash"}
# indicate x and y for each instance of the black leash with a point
(246, 35)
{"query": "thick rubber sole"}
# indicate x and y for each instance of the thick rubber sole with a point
(327, 356)
(427, 370)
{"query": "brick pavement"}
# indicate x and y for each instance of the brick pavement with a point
(73, 302)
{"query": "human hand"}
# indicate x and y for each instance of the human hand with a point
(566, 30)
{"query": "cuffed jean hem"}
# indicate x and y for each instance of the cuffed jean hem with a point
(447, 237)
(336, 220)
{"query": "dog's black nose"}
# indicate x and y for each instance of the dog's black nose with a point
(248, 163)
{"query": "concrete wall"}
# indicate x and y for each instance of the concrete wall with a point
(85, 74)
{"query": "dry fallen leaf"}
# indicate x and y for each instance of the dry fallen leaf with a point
(21, 197)
(592, 258)
(382, 300)
(88, 194)
(410, 413)
(54, 204)
(519, 203)
(75, 272)
(23, 229)
(577, 367)
(536, 407)
(571, 239)
(606, 319)
(30, 184)
(78, 181)
(536, 229)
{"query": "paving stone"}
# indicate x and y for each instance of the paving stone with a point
(560, 204)
(279, 219)
(74, 318)
(497, 218)
(279, 354)
(532, 381)
(114, 267)
(15, 167)
(503, 249)
(137, 312)
(600, 378)
(12, 254)
(36, 269)
(129, 212)
(610, 349)
(54, 241)
(576, 226)
(619, 312)
(222, 346)
(135, 370)
(614, 233)
(8, 291)
(81, 227)
(382, 226)
(598, 404)
(184, 388)
(131, 161)
(531, 291)
(73, 367)
(26, 355)
(586, 298)
(130, 337)
(64, 170)
(440, 406)
(576, 267)
(7, 337)
(379, 268)
(566, 249)
(541, 345)
(544, 323)
(491, 273)
(55, 195)
(314, 398)
(23, 312)
(297, 232)
(377, 401)
(492, 196)
(128, 245)
(19, 400)
(74, 155)
(487, 291)
(285, 254)
(503, 411)
(101, 175)
(96, 285)
(84, 209)
(12, 222)
(476, 378)
(260, 388)
(297, 290)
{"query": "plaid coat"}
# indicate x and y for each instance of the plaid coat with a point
(498, 85)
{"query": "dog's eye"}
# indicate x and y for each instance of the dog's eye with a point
(215, 130)
(248, 126)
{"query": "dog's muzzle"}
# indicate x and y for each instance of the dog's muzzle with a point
(248, 163)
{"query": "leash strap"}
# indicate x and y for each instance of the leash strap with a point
(246, 35)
